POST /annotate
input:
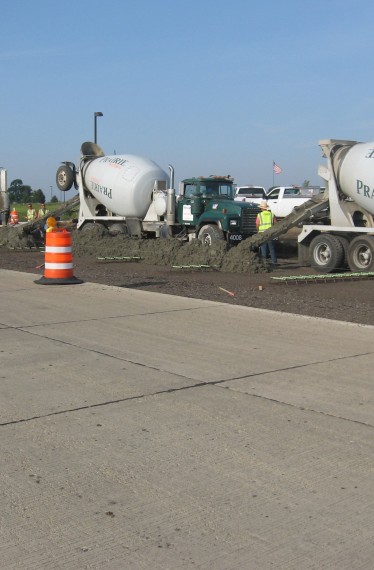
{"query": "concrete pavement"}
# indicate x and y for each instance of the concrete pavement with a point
(146, 431)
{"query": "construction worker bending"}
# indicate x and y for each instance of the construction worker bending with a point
(265, 220)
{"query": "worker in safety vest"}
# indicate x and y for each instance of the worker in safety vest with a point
(265, 220)
(31, 213)
(42, 211)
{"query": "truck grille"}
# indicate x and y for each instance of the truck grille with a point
(249, 216)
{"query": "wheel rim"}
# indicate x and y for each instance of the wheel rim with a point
(322, 254)
(363, 257)
(62, 178)
(207, 240)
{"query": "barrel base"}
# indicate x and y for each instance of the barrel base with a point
(58, 281)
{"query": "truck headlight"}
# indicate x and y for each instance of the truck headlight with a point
(233, 223)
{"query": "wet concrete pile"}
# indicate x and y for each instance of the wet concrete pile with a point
(15, 237)
(95, 241)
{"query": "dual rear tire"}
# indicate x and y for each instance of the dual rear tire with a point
(360, 255)
(329, 253)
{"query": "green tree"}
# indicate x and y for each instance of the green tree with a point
(19, 192)
(306, 183)
(15, 191)
(54, 199)
(38, 196)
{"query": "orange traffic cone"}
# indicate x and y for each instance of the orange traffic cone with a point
(58, 266)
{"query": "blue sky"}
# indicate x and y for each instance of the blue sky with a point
(209, 86)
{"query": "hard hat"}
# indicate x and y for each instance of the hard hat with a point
(263, 205)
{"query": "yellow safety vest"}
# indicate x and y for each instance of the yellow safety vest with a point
(266, 220)
(31, 215)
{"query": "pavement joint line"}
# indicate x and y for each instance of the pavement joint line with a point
(302, 408)
(25, 328)
(180, 389)
(295, 367)
(196, 385)
(100, 404)
(87, 349)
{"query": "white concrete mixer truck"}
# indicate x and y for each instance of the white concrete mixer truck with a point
(133, 195)
(343, 234)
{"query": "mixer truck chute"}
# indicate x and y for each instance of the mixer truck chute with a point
(134, 195)
(345, 235)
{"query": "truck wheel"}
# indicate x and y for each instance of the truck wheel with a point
(210, 234)
(64, 178)
(345, 244)
(326, 253)
(361, 254)
(117, 229)
(89, 227)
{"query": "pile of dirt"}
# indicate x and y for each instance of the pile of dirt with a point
(95, 241)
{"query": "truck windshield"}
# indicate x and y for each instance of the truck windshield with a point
(218, 190)
(251, 192)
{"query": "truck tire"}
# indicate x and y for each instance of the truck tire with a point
(89, 227)
(209, 234)
(64, 178)
(326, 253)
(361, 254)
(118, 229)
(345, 244)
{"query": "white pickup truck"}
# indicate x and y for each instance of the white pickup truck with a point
(283, 199)
(254, 194)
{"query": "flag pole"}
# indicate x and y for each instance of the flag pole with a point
(273, 172)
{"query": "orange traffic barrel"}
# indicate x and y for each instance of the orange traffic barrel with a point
(13, 220)
(58, 266)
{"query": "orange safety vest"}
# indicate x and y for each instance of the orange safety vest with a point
(266, 218)
(13, 218)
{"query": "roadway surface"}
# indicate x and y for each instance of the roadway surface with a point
(147, 431)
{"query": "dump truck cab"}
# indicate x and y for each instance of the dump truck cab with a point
(206, 206)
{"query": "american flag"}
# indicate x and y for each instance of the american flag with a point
(277, 169)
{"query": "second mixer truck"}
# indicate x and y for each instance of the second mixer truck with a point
(338, 225)
(344, 234)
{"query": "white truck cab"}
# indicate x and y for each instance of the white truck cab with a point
(254, 194)
(283, 199)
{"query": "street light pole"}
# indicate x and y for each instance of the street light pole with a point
(51, 192)
(97, 114)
